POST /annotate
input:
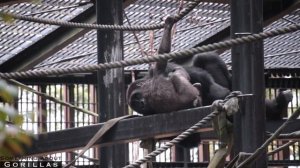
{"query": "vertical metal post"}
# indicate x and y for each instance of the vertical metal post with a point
(111, 90)
(248, 77)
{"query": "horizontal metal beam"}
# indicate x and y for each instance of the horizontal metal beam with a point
(157, 126)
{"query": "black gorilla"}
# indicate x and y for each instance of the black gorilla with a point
(167, 86)
(277, 107)
(212, 64)
(211, 71)
(170, 87)
(215, 66)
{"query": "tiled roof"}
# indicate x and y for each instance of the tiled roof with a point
(19, 35)
(281, 51)
(203, 22)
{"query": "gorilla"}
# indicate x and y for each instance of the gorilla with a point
(167, 86)
(277, 107)
(211, 72)
(171, 85)
(215, 66)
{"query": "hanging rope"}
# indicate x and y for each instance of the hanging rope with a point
(217, 104)
(187, 10)
(167, 56)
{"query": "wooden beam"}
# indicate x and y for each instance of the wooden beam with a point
(111, 86)
(248, 77)
(157, 126)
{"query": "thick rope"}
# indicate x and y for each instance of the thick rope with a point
(186, 133)
(100, 26)
(160, 57)
(83, 25)
(187, 10)
(176, 140)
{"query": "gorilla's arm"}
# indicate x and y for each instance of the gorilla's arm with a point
(165, 44)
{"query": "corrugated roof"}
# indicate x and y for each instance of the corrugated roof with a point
(200, 24)
(203, 22)
(281, 51)
(19, 35)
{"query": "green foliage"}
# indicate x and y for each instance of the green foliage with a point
(6, 17)
(12, 138)
(36, 1)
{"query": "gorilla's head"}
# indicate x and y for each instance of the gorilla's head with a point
(136, 99)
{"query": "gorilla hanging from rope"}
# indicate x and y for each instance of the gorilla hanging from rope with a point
(170, 87)
(166, 87)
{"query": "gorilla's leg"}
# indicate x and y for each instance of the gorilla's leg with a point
(210, 90)
(277, 107)
(215, 66)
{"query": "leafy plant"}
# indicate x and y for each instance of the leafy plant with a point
(12, 138)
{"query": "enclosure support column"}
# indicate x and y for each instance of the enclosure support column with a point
(70, 113)
(42, 115)
(248, 77)
(111, 95)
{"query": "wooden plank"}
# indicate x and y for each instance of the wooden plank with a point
(158, 126)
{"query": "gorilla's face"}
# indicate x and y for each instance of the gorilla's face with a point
(136, 99)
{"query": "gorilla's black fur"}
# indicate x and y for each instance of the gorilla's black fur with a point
(277, 107)
(167, 86)
(171, 86)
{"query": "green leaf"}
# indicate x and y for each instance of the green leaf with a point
(14, 146)
(5, 152)
(6, 17)
(18, 120)
(6, 92)
(36, 1)
(24, 138)
(3, 115)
